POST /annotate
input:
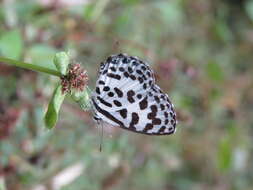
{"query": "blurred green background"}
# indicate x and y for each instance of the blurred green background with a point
(202, 54)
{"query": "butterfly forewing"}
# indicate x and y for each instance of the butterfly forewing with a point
(126, 96)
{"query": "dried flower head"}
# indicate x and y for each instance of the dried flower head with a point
(76, 79)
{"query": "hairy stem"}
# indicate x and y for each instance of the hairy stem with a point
(30, 66)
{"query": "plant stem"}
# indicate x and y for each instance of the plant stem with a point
(30, 66)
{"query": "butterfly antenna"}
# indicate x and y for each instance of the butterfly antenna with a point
(101, 137)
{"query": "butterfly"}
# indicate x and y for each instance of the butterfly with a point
(126, 96)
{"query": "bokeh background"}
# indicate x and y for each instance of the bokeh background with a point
(202, 54)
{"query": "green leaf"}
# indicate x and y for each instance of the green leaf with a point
(214, 71)
(171, 13)
(89, 11)
(61, 61)
(82, 98)
(225, 154)
(249, 9)
(131, 2)
(42, 55)
(222, 31)
(51, 116)
(11, 44)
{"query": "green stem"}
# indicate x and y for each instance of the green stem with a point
(30, 66)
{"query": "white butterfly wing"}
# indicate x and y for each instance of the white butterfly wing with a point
(126, 96)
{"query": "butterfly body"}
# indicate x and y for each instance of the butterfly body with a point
(126, 96)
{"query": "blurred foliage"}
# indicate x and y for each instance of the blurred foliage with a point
(201, 52)
(11, 44)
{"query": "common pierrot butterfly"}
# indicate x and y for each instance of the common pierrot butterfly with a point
(126, 96)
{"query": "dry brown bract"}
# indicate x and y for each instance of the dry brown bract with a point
(76, 78)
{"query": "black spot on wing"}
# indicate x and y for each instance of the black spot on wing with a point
(151, 116)
(139, 72)
(97, 90)
(130, 70)
(125, 60)
(117, 103)
(134, 63)
(174, 117)
(115, 76)
(121, 69)
(144, 103)
(133, 77)
(126, 74)
(135, 118)
(130, 95)
(101, 82)
(123, 113)
(104, 102)
(143, 68)
(150, 94)
(157, 99)
(153, 108)
(118, 92)
(162, 129)
(162, 107)
(140, 80)
(153, 113)
(156, 121)
(110, 94)
(106, 88)
(134, 121)
(113, 69)
(148, 127)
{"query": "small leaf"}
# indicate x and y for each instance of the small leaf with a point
(61, 61)
(82, 98)
(11, 44)
(51, 116)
